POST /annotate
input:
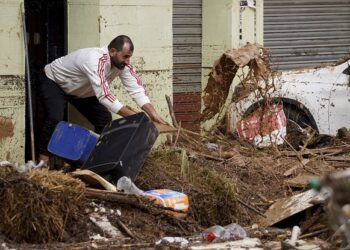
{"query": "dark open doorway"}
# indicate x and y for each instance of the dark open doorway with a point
(46, 31)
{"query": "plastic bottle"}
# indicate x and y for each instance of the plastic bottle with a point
(124, 183)
(213, 233)
(234, 231)
(216, 233)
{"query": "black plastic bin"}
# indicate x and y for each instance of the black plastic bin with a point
(123, 147)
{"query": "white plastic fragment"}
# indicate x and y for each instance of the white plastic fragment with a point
(124, 183)
(103, 223)
(295, 235)
(173, 240)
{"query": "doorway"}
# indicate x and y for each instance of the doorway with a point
(46, 24)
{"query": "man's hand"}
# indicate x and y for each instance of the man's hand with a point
(151, 112)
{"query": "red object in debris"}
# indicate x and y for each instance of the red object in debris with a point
(265, 125)
(209, 236)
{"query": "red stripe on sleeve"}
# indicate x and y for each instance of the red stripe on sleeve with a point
(103, 82)
(138, 80)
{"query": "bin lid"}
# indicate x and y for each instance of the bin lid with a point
(70, 141)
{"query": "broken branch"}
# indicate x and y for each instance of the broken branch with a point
(171, 111)
(250, 207)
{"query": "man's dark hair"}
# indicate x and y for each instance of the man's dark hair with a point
(119, 41)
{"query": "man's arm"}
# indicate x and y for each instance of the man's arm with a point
(134, 87)
(152, 113)
(148, 108)
(125, 111)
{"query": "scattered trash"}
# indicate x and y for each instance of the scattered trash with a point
(93, 180)
(97, 237)
(36, 206)
(287, 207)
(244, 244)
(5, 163)
(72, 142)
(218, 233)
(212, 146)
(337, 187)
(126, 185)
(170, 199)
(265, 126)
(173, 240)
(301, 181)
(23, 168)
(295, 235)
(300, 245)
(103, 223)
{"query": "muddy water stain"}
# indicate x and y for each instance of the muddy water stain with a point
(6, 128)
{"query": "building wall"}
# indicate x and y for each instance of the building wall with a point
(148, 23)
(12, 85)
(227, 25)
(83, 24)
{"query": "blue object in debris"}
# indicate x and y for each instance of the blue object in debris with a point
(72, 142)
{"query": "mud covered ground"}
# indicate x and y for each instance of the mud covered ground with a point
(222, 191)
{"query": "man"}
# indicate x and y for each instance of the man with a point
(82, 78)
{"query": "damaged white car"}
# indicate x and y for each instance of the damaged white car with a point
(317, 97)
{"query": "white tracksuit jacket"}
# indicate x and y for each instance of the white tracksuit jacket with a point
(88, 72)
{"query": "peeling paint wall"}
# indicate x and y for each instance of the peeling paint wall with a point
(149, 25)
(12, 91)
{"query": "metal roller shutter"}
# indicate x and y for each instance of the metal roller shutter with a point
(303, 33)
(187, 59)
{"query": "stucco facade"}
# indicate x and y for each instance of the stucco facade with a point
(12, 90)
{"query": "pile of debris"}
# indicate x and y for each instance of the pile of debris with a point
(252, 188)
(36, 206)
(240, 196)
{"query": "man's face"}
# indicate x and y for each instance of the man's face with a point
(121, 58)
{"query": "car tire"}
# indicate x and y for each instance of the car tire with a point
(298, 115)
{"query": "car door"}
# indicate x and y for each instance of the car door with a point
(339, 101)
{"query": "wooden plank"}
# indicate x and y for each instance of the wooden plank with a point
(93, 180)
(165, 128)
(287, 207)
(293, 169)
(337, 158)
(300, 181)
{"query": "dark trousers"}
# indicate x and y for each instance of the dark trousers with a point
(55, 102)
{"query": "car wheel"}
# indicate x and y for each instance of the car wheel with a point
(298, 115)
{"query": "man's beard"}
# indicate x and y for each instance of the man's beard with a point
(119, 65)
